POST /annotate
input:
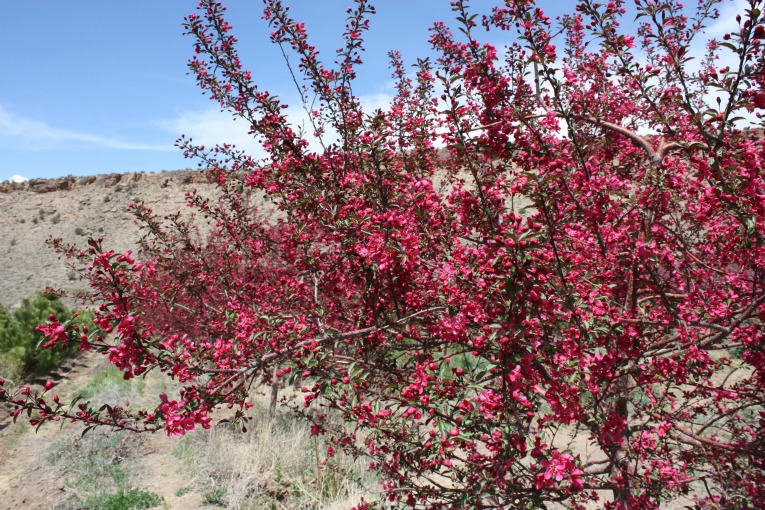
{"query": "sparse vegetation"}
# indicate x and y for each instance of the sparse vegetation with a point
(55, 219)
(13, 242)
(100, 466)
(97, 464)
(107, 199)
(79, 231)
(275, 464)
(14, 438)
(109, 381)
(184, 490)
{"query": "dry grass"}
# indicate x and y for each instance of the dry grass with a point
(275, 464)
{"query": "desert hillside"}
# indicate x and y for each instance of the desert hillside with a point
(72, 208)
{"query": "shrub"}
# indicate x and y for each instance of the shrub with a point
(214, 496)
(131, 499)
(79, 231)
(182, 491)
(20, 355)
(546, 311)
(55, 219)
(5, 317)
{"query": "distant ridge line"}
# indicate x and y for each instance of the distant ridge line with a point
(180, 177)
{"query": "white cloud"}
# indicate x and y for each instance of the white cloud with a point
(372, 102)
(17, 131)
(726, 23)
(212, 127)
(18, 178)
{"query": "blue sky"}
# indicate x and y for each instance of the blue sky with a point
(97, 86)
(94, 86)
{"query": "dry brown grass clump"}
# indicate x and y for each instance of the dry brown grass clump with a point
(276, 464)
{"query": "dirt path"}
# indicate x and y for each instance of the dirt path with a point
(27, 478)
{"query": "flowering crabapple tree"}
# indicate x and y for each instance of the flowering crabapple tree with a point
(535, 280)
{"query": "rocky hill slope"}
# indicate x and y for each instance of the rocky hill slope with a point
(72, 208)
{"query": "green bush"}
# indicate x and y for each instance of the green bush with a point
(20, 355)
(132, 499)
(183, 491)
(215, 496)
(5, 317)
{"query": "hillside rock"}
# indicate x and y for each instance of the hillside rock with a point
(104, 181)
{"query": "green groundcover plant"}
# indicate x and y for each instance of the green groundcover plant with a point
(601, 345)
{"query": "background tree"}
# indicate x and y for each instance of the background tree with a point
(20, 356)
(536, 277)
